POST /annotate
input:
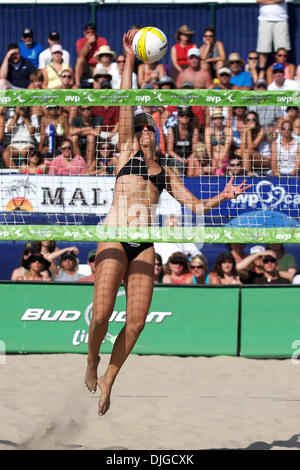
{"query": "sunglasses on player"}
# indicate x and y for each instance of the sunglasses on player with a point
(141, 128)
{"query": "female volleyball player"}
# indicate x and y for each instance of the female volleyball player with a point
(140, 180)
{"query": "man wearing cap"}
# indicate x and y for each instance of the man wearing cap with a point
(86, 47)
(45, 56)
(15, 70)
(28, 48)
(279, 82)
(240, 79)
(193, 73)
(91, 263)
(68, 268)
(270, 271)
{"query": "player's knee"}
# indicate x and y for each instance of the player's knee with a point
(136, 327)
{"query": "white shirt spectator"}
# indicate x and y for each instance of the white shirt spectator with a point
(116, 78)
(287, 85)
(165, 250)
(275, 12)
(45, 58)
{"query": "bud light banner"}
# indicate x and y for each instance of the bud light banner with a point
(55, 318)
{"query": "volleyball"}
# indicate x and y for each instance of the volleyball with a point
(150, 44)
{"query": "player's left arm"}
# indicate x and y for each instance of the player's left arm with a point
(199, 206)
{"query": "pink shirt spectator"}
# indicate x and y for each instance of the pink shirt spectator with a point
(61, 166)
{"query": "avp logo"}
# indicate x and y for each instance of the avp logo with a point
(283, 236)
(144, 98)
(4, 99)
(213, 99)
(73, 99)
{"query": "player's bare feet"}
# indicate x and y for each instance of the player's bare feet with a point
(104, 401)
(91, 375)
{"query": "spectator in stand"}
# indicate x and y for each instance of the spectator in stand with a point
(35, 164)
(158, 269)
(45, 56)
(86, 48)
(199, 164)
(273, 29)
(271, 275)
(239, 126)
(36, 269)
(177, 270)
(117, 73)
(287, 263)
(54, 117)
(281, 57)
(28, 48)
(15, 70)
(224, 270)
(240, 79)
(150, 73)
(279, 82)
(85, 128)
(36, 80)
(91, 262)
(199, 269)
(267, 114)
(166, 83)
(212, 52)
(2, 129)
(235, 166)
(218, 140)
(251, 266)
(182, 140)
(285, 151)
(255, 146)
(292, 113)
(109, 115)
(22, 269)
(68, 265)
(67, 163)
(194, 73)
(223, 76)
(50, 252)
(179, 52)
(100, 75)
(53, 71)
(105, 58)
(21, 131)
(105, 162)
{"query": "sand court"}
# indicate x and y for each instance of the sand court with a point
(158, 402)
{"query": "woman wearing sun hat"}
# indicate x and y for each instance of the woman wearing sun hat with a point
(179, 52)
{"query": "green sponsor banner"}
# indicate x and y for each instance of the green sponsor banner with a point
(270, 324)
(198, 97)
(98, 233)
(54, 318)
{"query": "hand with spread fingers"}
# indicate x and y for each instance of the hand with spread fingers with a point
(231, 192)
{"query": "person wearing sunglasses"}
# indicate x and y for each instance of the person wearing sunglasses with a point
(179, 51)
(235, 166)
(52, 72)
(67, 163)
(255, 146)
(218, 139)
(270, 271)
(36, 269)
(199, 270)
(29, 49)
(84, 130)
(45, 56)
(285, 151)
(240, 79)
(251, 65)
(139, 182)
(117, 72)
(177, 270)
(279, 82)
(212, 52)
(59, 120)
(35, 164)
(281, 57)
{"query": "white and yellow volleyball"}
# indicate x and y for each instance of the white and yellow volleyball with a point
(150, 44)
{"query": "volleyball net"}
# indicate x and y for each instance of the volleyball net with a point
(204, 136)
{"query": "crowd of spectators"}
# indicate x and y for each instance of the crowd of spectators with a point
(194, 140)
(270, 264)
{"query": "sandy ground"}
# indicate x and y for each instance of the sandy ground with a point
(158, 402)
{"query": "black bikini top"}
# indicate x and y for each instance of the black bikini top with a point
(136, 166)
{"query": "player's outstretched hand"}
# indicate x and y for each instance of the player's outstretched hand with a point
(127, 41)
(231, 192)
